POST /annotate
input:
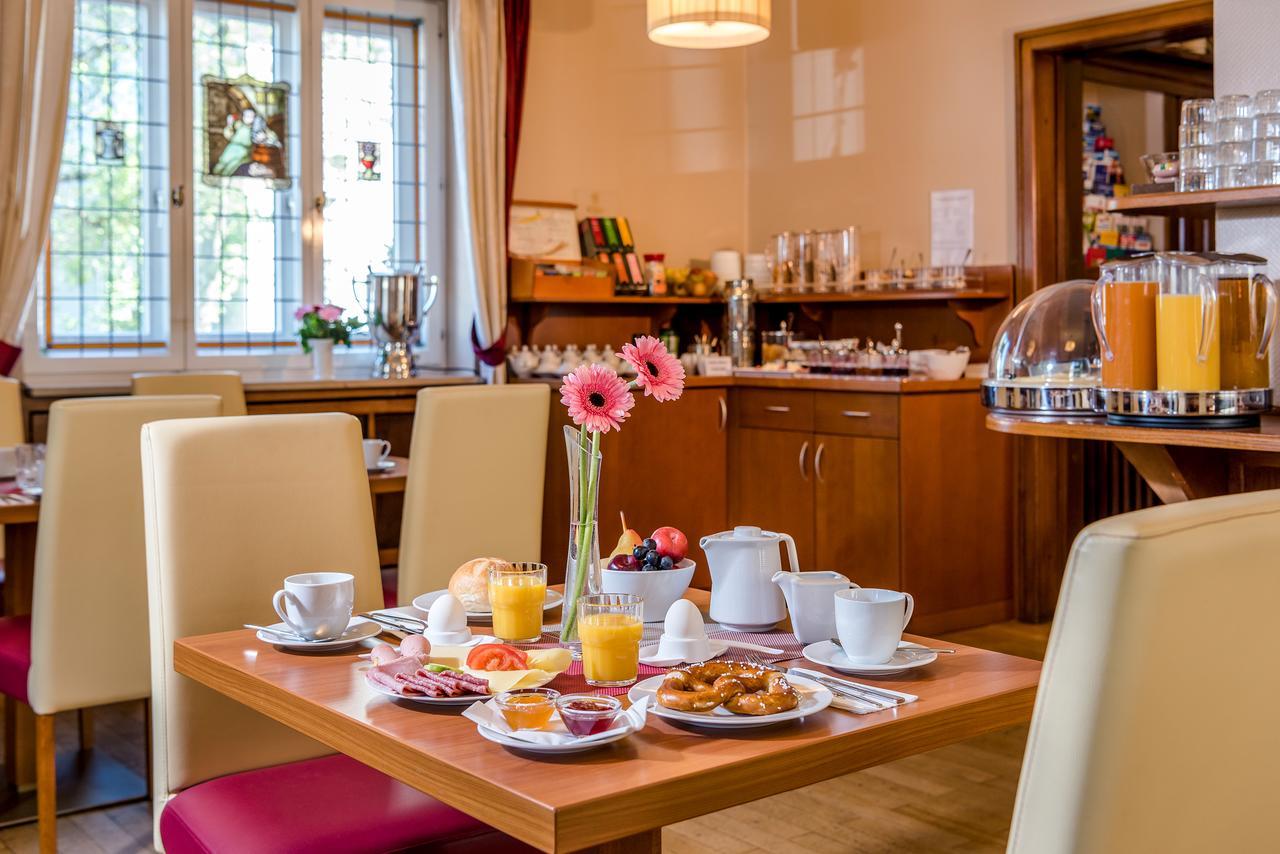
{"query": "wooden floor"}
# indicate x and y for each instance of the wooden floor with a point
(957, 798)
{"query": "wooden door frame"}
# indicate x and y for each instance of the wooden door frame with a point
(1047, 71)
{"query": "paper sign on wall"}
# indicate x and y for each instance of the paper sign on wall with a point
(951, 226)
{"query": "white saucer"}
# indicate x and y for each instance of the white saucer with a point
(383, 465)
(423, 602)
(829, 655)
(648, 654)
(813, 699)
(357, 630)
(516, 744)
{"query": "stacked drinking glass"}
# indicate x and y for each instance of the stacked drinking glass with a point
(1231, 142)
(1266, 137)
(1197, 137)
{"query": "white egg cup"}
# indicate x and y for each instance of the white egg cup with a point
(684, 649)
(449, 638)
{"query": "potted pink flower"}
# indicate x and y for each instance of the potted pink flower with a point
(322, 327)
(598, 401)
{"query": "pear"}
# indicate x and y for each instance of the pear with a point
(628, 541)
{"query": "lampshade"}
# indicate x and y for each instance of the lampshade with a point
(709, 23)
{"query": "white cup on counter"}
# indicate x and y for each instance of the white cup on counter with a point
(870, 622)
(317, 605)
(375, 451)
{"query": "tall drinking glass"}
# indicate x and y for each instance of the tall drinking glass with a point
(516, 595)
(1124, 315)
(1187, 348)
(29, 465)
(610, 627)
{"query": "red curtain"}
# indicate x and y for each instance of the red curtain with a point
(515, 20)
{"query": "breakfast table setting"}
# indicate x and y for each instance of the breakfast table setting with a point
(588, 714)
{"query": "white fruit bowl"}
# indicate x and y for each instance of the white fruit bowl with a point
(659, 588)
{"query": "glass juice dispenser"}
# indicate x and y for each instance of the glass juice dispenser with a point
(1162, 327)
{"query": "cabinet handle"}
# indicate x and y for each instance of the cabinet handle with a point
(777, 409)
(817, 462)
(724, 413)
(804, 452)
(855, 413)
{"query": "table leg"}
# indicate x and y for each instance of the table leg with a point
(1178, 473)
(648, 842)
(19, 720)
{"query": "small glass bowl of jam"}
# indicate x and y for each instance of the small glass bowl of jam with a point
(527, 708)
(587, 714)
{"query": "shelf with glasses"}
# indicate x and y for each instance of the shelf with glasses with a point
(893, 295)
(1201, 203)
(616, 300)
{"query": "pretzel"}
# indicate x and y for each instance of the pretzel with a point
(741, 688)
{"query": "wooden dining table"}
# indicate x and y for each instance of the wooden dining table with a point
(616, 798)
(20, 516)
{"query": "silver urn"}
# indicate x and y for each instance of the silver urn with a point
(398, 306)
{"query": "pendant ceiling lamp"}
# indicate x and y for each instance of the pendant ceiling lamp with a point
(708, 23)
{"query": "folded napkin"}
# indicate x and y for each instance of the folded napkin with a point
(487, 715)
(850, 704)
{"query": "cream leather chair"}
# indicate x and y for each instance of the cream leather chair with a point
(233, 505)
(12, 424)
(474, 488)
(86, 637)
(1155, 722)
(225, 384)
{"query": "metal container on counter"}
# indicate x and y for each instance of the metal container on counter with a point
(740, 328)
(398, 306)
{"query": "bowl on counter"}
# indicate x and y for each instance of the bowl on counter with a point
(659, 588)
(940, 364)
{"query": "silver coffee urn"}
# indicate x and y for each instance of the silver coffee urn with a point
(398, 306)
(740, 325)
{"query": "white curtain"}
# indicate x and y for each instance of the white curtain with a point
(478, 237)
(35, 70)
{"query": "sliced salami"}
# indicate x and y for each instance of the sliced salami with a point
(425, 686)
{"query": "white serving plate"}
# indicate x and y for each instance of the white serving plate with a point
(532, 747)
(423, 602)
(813, 699)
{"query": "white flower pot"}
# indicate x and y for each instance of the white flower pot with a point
(322, 358)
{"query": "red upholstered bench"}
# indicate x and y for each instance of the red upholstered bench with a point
(15, 656)
(330, 804)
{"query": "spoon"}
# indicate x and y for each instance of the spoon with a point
(918, 650)
(289, 636)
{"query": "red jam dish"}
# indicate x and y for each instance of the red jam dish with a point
(587, 714)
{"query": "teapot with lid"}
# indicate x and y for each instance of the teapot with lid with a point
(742, 564)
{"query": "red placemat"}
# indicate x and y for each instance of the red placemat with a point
(572, 681)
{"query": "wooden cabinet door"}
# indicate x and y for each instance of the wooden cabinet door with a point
(856, 509)
(771, 484)
(667, 466)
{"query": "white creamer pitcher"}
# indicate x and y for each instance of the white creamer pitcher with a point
(811, 600)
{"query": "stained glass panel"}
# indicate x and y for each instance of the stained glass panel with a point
(104, 286)
(374, 174)
(248, 245)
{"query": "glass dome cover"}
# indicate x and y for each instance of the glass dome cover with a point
(1046, 356)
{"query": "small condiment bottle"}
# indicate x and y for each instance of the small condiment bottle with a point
(655, 274)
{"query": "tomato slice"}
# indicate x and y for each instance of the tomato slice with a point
(497, 656)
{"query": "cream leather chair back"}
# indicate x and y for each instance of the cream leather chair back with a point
(225, 384)
(89, 605)
(1155, 722)
(233, 505)
(476, 466)
(12, 424)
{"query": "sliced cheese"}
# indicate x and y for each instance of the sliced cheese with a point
(554, 660)
(510, 680)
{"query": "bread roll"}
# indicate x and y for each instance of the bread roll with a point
(470, 582)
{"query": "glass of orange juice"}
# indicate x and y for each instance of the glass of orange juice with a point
(609, 627)
(516, 595)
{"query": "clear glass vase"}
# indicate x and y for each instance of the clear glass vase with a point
(582, 575)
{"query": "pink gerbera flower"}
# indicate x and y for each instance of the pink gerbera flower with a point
(657, 371)
(597, 398)
(329, 313)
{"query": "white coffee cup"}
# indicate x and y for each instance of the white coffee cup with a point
(375, 451)
(869, 622)
(317, 605)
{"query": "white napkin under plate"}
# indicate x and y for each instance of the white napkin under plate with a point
(850, 704)
(487, 715)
